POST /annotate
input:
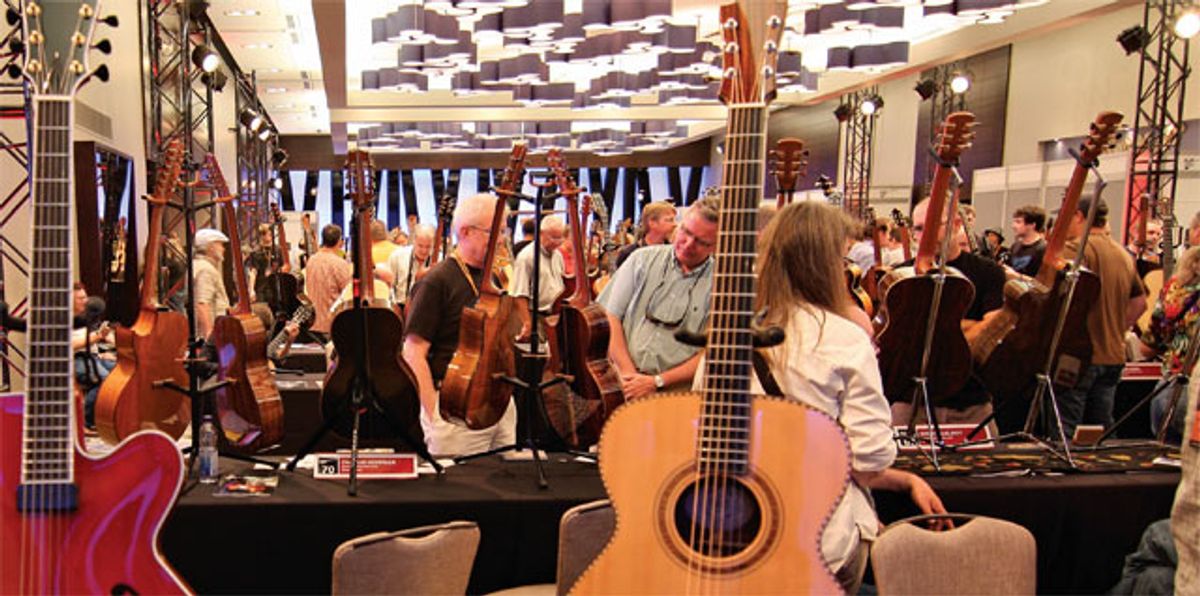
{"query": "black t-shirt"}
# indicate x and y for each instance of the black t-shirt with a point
(1027, 258)
(435, 309)
(987, 277)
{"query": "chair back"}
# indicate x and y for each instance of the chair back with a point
(982, 556)
(427, 560)
(583, 532)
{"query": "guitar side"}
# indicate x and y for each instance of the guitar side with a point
(109, 544)
(798, 462)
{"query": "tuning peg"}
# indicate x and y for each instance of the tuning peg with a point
(101, 73)
(16, 46)
(12, 16)
(111, 20)
(104, 46)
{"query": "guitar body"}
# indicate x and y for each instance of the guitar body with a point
(581, 336)
(250, 406)
(472, 391)
(1011, 367)
(907, 298)
(149, 351)
(854, 277)
(392, 381)
(1154, 286)
(798, 462)
(109, 543)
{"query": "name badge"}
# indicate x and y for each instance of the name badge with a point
(371, 466)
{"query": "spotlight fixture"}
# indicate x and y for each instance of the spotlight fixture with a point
(843, 112)
(1188, 23)
(205, 59)
(1134, 39)
(959, 83)
(871, 105)
(278, 158)
(277, 183)
(925, 88)
(216, 80)
(264, 134)
(250, 119)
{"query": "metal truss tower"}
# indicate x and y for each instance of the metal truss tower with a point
(858, 150)
(1154, 161)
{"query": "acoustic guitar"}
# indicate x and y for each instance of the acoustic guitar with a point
(249, 408)
(923, 305)
(722, 491)
(1013, 346)
(394, 406)
(70, 522)
(131, 398)
(579, 337)
(472, 390)
(283, 292)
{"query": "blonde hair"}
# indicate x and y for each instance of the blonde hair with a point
(800, 261)
(1189, 267)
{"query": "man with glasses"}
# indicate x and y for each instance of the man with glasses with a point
(656, 292)
(551, 268)
(431, 334)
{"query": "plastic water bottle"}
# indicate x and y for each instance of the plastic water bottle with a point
(208, 457)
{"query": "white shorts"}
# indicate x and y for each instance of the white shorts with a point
(449, 439)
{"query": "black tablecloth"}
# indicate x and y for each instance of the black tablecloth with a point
(1084, 523)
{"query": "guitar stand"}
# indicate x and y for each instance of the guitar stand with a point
(921, 396)
(1177, 383)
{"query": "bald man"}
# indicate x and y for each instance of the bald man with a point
(433, 316)
(410, 263)
(551, 267)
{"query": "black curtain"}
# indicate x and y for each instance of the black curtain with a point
(610, 187)
(286, 201)
(694, 181)
(311, 181)
(410, 194)
(394, 198)
(337, 195)
(378, 174)
(675, 185)
(629, 199)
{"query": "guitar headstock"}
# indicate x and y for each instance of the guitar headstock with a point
(599, 208)
(167, 177)
(276, 214)
(515, 171)
(899, 219)
(60, 70)
(445, 210)
(955, 136)
(360, 177)
(562, 177)
(751, 34)
(1102, 128)
(789, 161)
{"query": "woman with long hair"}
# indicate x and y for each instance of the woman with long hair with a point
(827, 362)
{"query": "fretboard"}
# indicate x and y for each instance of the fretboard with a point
(725, 419)
(47, 456)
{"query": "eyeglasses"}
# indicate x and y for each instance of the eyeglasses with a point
(699, 242)
(666, 312)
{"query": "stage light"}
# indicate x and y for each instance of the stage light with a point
(250, 119)
(959, 83)
(264, 134)
(871, 105)
(1134, 39)
(1188, 23)
(277, 183)
(843, 113)
(216, 80)
(205, 59)
(925, 88)
(279, 157)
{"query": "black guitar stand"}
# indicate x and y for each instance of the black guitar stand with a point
(197, 364)
(362, 393)
(1045, 400)
(531, 366)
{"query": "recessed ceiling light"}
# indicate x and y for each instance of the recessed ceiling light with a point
(242, 13)
(276, 89)
(257, 46)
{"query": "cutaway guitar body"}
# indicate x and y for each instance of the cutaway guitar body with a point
(758, 532)
(129, 400)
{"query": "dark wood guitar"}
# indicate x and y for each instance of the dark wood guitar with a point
(131, 399)
(579, 343)
(904, 225)
(923, 305)
(870, 279)
(283, 289)
(789, 161)
(70, 522)
(392, 400)
(1013, 345)
(472, 390)
(249, 407)
(722, 491)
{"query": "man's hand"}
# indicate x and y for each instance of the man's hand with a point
(292, 329)
(637, 385)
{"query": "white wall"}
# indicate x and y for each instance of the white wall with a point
(1061, 80)
(895, 136)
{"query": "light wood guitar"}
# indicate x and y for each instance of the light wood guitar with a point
(723, 491)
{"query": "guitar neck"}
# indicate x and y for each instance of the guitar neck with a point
(235, 256)
(47, 451)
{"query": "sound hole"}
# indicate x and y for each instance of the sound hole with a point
(717, 517)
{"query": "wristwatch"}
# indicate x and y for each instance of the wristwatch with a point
(658, 382)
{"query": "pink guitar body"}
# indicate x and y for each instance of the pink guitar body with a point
(109, 543)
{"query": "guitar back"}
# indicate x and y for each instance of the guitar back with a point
(472, 390)
(109, 543)
(250, 407)
(797, 472)
(148, 352)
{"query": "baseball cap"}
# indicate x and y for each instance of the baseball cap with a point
(206, 236)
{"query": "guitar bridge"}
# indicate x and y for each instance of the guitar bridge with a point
(47, 498)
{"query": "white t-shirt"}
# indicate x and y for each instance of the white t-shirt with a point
(550, 269)
(827, 362)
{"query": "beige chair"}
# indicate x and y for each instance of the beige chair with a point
(981, 555)
(583, 532)
(427, 560)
